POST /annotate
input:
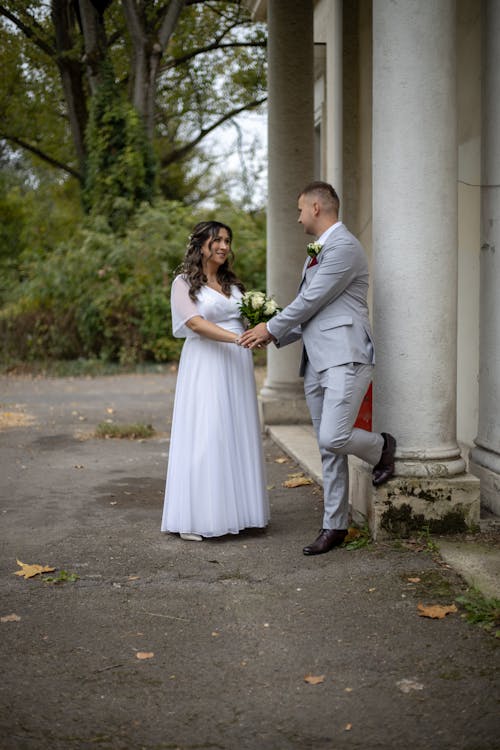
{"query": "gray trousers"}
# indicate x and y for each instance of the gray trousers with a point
(334, 397)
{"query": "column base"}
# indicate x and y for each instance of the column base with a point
(283, 406)
(484, 465)
(405, 505)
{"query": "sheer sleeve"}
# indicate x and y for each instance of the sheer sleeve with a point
(182, 306)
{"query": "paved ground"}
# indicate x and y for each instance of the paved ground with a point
(233, 625)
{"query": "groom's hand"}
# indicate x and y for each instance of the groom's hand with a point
(256, 336)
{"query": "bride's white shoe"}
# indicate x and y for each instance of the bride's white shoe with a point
(191, 537)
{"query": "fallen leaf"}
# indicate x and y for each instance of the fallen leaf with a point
(215, 634)
(144, 654)
(348, 690)
(10, 618)
(352, 534)
(414, 580)
(79, 466)
(280, 460)
(372, 589)
(406, 686)
(297, 480)
(348, 727)
(110, 410)
(435, 611)
(133, 578)
(312, 679)
(28, 571)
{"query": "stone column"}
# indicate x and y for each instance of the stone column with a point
(415, 262)
(290, 168)
(334, 99)
(485, 457)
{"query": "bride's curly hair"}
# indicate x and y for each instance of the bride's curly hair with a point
(192, 265)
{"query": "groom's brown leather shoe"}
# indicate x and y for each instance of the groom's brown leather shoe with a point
(384, 470)
(327, 540)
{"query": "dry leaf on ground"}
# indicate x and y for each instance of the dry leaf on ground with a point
(10, 618)
(435, 611)
(414, 580)
(297, 480)
(281, 460)
(28, 571)
(348, 727)
(313, 679)
(352, 534)
(144, 654)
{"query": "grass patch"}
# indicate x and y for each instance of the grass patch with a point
(481, 611)
(124, 431)
(357, 538)
(424, 537)
(430, 584)
(62, 577)
(64, 368)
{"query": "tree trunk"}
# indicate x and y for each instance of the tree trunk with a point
(148, 49)
(94, 39)
(71, 72)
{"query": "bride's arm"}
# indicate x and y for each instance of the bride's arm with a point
(211, 330)
(185, 314)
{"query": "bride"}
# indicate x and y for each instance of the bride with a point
(216, 480)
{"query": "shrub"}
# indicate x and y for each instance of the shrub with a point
(107, 296)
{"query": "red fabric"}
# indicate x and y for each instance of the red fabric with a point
(312, 262)
(364, 418)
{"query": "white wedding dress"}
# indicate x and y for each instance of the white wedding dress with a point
(216, 481)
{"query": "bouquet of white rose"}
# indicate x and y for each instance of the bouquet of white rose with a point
(257, 308)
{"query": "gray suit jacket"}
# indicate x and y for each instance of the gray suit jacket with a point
(330, 311)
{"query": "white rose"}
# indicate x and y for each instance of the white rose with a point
(258, 300)
(270, 307)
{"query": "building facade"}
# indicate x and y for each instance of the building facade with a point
(397, 104)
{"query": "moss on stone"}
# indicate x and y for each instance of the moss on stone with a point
(401, 520)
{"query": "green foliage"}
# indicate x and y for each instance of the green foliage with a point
(62, 577)
(358, 537)
(31, 94)
(34, 220)
(119, 172)
(106, 295)
(481, 611)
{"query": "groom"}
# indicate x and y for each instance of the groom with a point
(330, 313)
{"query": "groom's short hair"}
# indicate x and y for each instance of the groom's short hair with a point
(325, 192)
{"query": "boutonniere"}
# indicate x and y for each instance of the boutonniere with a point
(313, 249)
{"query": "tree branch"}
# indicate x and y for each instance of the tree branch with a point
(28, 31)
(41, 155)
(179, 153)
(209, 48)
(133, 23)
(170, 21)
